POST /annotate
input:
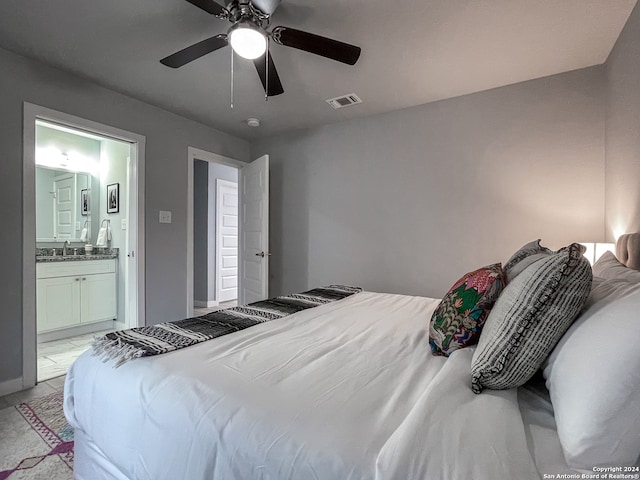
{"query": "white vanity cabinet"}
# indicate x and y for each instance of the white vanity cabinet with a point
(72, 293)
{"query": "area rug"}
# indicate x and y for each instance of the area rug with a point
(36, 441)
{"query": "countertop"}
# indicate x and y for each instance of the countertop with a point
(74, 258)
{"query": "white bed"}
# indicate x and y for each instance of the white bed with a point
(350, 390)
(347, 390)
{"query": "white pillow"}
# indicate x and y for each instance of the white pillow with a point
(593, 377)
(608, 266)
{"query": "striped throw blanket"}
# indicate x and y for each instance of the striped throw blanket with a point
(126, 345)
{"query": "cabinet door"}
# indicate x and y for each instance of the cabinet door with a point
(98, 300)
(58, 303)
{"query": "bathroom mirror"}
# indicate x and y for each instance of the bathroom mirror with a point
(64, 202)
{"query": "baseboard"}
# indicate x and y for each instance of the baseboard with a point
(120, 326)
(10, 386)
(203, 304)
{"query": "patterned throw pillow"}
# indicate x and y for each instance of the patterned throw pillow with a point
(525, 256)
(458, 320)
(529, 318)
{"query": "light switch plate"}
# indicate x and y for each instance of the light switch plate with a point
(165, 216)
(123, 224)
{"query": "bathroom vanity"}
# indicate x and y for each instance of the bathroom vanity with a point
(75, 290)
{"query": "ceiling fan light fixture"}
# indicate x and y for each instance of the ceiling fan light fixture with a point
(247, 40)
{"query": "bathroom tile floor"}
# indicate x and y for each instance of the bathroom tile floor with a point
(55, 357)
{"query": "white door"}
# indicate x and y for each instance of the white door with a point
(226, 240)
(254, 231)
(64, 188)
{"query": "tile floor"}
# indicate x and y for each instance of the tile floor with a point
(55, 357)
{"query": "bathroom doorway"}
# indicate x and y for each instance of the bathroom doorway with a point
(82, 238)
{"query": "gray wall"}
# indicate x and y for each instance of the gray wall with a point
(167, 136)
(622, 174)
(200, 229)
(410, 200)
(204, 229)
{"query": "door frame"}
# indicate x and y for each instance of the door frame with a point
(135, 238)
(228, 184)
(194, 154)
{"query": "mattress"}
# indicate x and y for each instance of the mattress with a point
(347, 390)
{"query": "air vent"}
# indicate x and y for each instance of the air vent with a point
(344, 101)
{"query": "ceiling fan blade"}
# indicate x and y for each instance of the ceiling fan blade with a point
(266, 6)
(309, 42)
(209, 6)
(195, 51)
(275, 86)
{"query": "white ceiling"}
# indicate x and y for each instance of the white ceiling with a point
(413, 52)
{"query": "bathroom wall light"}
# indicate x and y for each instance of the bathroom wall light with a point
(247, 40)
(51, 157)
(596, 250)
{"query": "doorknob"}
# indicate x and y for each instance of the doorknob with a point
(262, 254)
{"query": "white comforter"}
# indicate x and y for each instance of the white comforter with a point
(348, 390)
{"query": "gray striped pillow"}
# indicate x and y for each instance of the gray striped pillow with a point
(529, 318)
(525, 256)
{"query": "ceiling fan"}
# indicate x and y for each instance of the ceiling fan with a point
(249, 38)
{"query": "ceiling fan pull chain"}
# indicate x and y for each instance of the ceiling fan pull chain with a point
(266, 69)
(231, 77)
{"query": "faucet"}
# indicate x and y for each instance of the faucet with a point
(67, 243)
